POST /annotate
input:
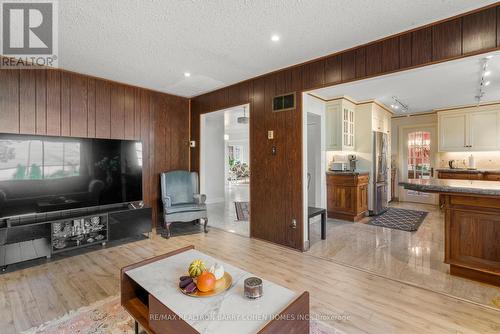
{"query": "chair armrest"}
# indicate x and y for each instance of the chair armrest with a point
(200, 198)
(167, 201)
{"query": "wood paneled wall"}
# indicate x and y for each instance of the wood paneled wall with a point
(59, 103)
(276, 180)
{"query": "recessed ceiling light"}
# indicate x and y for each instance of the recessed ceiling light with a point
(489, 57)
(487, 83)
(396, 107)
(487, 73)
(187, 74)
(275, 38)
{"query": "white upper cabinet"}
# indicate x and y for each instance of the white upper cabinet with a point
(340, 120)
(483, 130)
(476, 130)
(381, 119)
(452, 134)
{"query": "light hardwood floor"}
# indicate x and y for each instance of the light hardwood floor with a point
(373, 304)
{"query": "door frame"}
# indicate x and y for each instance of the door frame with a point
(402, 153)
(202, 148)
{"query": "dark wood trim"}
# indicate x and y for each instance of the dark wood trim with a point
(475, 275)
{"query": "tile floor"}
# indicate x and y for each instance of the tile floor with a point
(223, 214)
(412, 257)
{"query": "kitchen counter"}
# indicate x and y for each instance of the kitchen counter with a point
(468, 171)
(471, 225)
(347, 172)
(471, 187)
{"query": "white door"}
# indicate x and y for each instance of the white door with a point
(452, 132)
(483, 130)
(419, 153)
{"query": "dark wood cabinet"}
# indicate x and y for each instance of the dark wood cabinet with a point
(472, 227)
(460, 176)
(470, 175)
(347, 195)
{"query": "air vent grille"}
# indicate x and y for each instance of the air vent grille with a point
(284, 102)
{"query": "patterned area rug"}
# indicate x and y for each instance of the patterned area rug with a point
(242, 210)
(400, 219)
(108, 317)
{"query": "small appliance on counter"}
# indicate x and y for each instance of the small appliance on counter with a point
(339, 163)
(352, 162)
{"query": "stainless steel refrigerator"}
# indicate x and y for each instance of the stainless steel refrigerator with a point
(380, 173)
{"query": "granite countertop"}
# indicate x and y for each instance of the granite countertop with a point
(161, 278)
(472, 187)
(468, 171)
(347, 172)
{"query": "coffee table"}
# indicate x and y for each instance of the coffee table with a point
(150, 294)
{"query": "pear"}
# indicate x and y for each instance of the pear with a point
(217, 270)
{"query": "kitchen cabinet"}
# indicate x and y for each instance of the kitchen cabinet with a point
(476, 130)
(483, 130)
(381, 119)
(340, 125)
(347, 195)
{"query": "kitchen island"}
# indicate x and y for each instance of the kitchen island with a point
(472, 225)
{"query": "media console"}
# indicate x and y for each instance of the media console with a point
(44, 234)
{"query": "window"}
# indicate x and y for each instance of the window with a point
(38, 160)
(419, 157)
(138, 152)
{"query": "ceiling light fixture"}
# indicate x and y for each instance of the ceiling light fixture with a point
(398, 104)
(187, 74)
(489, 57)
(482, 79)
(275, 38)
(244, 119)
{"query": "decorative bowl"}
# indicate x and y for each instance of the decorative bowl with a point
(221, 285)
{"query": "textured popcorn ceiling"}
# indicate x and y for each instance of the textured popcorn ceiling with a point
(151, 43)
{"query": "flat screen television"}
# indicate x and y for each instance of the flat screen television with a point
(45, 174)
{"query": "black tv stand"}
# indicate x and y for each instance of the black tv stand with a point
(44, 234)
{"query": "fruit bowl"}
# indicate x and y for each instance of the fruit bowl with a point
(221, 285)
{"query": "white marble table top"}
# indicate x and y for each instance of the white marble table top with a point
(228, 312)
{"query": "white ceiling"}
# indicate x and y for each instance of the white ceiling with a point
(151, 43)
(449, 84)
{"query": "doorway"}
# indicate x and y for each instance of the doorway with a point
(419, 150)
(225, 168)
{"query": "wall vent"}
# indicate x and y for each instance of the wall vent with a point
(284, 102)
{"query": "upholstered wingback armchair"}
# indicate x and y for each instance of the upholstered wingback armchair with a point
(181, 199)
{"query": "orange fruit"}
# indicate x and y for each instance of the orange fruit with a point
(206, 281)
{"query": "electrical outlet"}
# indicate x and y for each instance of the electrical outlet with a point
(270, 134)
(192, 144)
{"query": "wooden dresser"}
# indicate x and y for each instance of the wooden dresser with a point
(347, 195)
